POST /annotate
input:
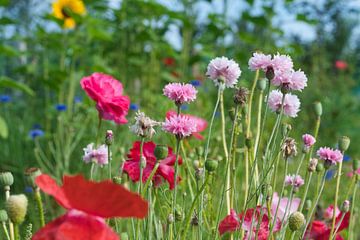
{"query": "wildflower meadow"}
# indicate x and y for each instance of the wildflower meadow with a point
(179, 119)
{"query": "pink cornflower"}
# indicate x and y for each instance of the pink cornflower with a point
(291, 103)
(308, 140)
(260, 61)
(290, 80)
(181, 126)
(180, 93)
(294, 180)
(330, 156)
(99, 155)
(329, 212)
(223, 69)
(282, 63)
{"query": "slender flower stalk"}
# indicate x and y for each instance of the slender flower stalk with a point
(39, 206)
(338, 225)
(6, 231)
(353, 201)
(336, 198)
(173, 207)
(141, 164)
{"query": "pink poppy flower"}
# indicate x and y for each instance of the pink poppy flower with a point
(308, 140)
(319, 230)
(291, 103)
(201, 124)
(329, 212)
(341, 65)
(282, 212)
(180, 93)
(88, 203)
(330, 155)
(107, 92)
(165, 171)
(223, 68)
(231, 223)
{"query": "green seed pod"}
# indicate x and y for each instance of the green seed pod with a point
(30, 175)
(3, 216)
(356, 164)
(344, 143)
(296, 221)
(16, 207)
(6, 179)
(318, 109)
(308, 204)
(319, 167)
(117, 180)
(211, 165)
(161, 152)
(262, 84)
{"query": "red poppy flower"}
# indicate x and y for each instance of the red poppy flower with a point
(341, 65)
(88, 204)
(201, 124)
(231, 223)
(320, 230)
(107, 92)
(165, 170)
(169, 61)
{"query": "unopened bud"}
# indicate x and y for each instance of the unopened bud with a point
(143, 162)
(6, 179)
(170, 218)
(345, 207)
(308, 204)
(161, 152)
(318, 109)
(30, 175)
(270, 73)
(262, 84)
(319, 167)
(196, 164)
(344, 143)
(199, 173)
(296, 221)
(211, 165)
(286, 128)
(3, 216)
(241, 95)
(194, 220)
(16, 207)
(356, 164)
(312, 165)
(109, 139)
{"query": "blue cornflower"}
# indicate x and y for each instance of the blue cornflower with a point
(195, 83)
(330, 174)
(5, 98)
(217, 114)
(184, 107)
(33, 133)
(28, 189)
(346, 158)
(61, 107)
(77, 99)
(134, 106)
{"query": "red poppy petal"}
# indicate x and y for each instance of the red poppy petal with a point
(198, 136)
(345, 222)
(230, 223)
(168, 173)
(316, 230)
(76, 225)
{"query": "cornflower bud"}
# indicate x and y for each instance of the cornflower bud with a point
(161, 152)
(344, 143)
(345, 207)
(318, 109)
(241, 96)
(109, 139)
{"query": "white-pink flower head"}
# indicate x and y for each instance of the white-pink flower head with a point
(180, 93)
(294, 180)
(180, 125)
(260, 61)
(98, 156)
(329, 212)
(290, 80)
(282, 63)
(291, 103)
(223, 69)
(329, 155)
(308, 140)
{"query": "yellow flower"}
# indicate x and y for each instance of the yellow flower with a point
(60, 8)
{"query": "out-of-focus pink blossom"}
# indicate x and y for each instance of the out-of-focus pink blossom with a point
(180, 93)
(294, 180)
(330, 155)
(282, 212)
(181, 126)
(223, 69)
(341, 65)
(290, 80)
(329, 212)
(98, 155)
(291, 103)
(260, 61)
(308, 140)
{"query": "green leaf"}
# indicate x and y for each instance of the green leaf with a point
(4, 3)
(304, 18)
(10, 83)
(4, 132)
(257, 20)
(9, 51)
(6, 21)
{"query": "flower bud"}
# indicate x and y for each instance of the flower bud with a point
(313, 164)
(161, 152)
(6, 179)
(117, 180)
(109, 137)
(240, 96)
(179, 214)
(318, 108)
(319, 167)
(30, 175)
(124, 236)
(345, 207)
(262, 84)
(196, 164)
(344, 143)
(170, 218)
(296, 221)
(308, 204)
(270, 73)
(3, 216)
(356, 164)
(211, 165)
(289, 148)
(16, 207)
(143, 162)
(194, 220)
(199, 173)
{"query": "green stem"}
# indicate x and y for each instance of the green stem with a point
(109, 160)
(92, 171)
(140, 184)
(338, 226)
(40, 207)
(148, 181)
(188, 172)
(16, 232)
(258, 126)
(336, 198)
(352, 218)
(6, 231)
(173, 207)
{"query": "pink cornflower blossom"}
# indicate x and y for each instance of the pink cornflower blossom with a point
(282, 63)
(223, 69)
(329, 155)
(294, 180)
(308, 140)
(290, 80)
(98, 156)
(329, 212)
(291, 103)
(180, 93)
(260, 61)
(181, 126)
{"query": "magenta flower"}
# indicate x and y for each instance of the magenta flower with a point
(181, 126)
(223, 69)
(290, 80)
(180, 93)
(282, 63)
(98, 156)
(283, 212)
(308, 140)
(329, 212)
(260, 61)
(294, 180)
(291, 103)
(330, 156)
